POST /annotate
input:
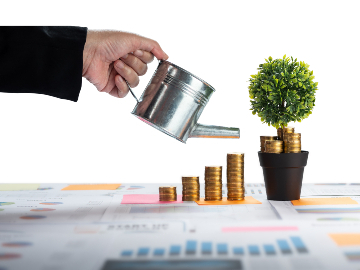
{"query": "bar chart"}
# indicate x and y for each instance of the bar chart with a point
(191, 248)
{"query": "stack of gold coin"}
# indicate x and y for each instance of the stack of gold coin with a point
(167, 194)
(191, 188)
(274, 146)
(213, 183)
(292, 142)
(282, 131)
(235, 176)
(263, 139)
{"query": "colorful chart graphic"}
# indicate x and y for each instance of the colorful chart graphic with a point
(17, 244)
(45, 188)
(6, 203)
(9, 256)
(285, 246)
(135, 187)
(328, 210)
(42, 209)
(338, 219)
(51, 203)
(121, 187)
(33, 217)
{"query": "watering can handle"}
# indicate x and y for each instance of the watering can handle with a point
(131, 91)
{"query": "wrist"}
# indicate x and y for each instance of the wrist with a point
(89, 50)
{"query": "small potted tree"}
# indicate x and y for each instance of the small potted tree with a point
(283, 91)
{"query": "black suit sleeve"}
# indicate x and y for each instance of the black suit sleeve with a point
(43, 60)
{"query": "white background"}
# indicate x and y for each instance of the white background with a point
(44, 139)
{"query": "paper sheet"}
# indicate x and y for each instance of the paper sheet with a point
(146, 199)
(346, 239)
(17, 187)
(324, 201)
(248, 200)
(93, 187)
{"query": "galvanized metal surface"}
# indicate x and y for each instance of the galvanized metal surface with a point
(173, 102)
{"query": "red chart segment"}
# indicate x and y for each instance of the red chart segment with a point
(17, 244)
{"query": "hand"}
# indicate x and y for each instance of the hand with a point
(112, 57)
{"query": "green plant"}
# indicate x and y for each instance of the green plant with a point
(282, 91)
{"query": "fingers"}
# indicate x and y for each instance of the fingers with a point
(149, 45)
(116, 86)
(144, 56)
(121, 89)
(127, 73)
(135, 63)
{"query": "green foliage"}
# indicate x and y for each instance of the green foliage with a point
(282, 91)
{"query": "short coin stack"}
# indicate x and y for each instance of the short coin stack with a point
(167, 194)
(292, 142)
(235, 176)
(213, 183)
(191, 188)
(274, 146)
(263, 139)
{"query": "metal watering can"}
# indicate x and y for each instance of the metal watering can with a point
(173, 101)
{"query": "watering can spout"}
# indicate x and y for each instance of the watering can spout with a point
(208, 131)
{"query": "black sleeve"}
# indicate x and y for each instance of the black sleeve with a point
(43, 60)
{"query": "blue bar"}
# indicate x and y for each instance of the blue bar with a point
(222, 249)
(175, 250)
(127, 253)
(284, 246)
(238, 250)
(206, 248)
(299, 244)
(254, 250)
(190, 247)
(269, 249)
(143, 251)
(159, 252)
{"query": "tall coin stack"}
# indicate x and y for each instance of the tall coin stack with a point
(280, 134)
(167, 194)
(235, 176)
(263, 139)
(292, 142)
(191, 188)
(213, 183)
(274, 146)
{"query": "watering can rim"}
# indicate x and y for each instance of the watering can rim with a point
(191, 74)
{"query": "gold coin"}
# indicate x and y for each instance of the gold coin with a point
(213, 199)
(289, 130)
(213, 168)
(191, 199)
(188, 182)
(236, 199)
(235, 184)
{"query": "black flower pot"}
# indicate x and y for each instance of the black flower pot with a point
(283, 174)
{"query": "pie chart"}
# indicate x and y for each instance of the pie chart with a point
(33, 217)
(6, 203)
(42, 209)
(9, 256)
(51, 203)
(17, 244)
